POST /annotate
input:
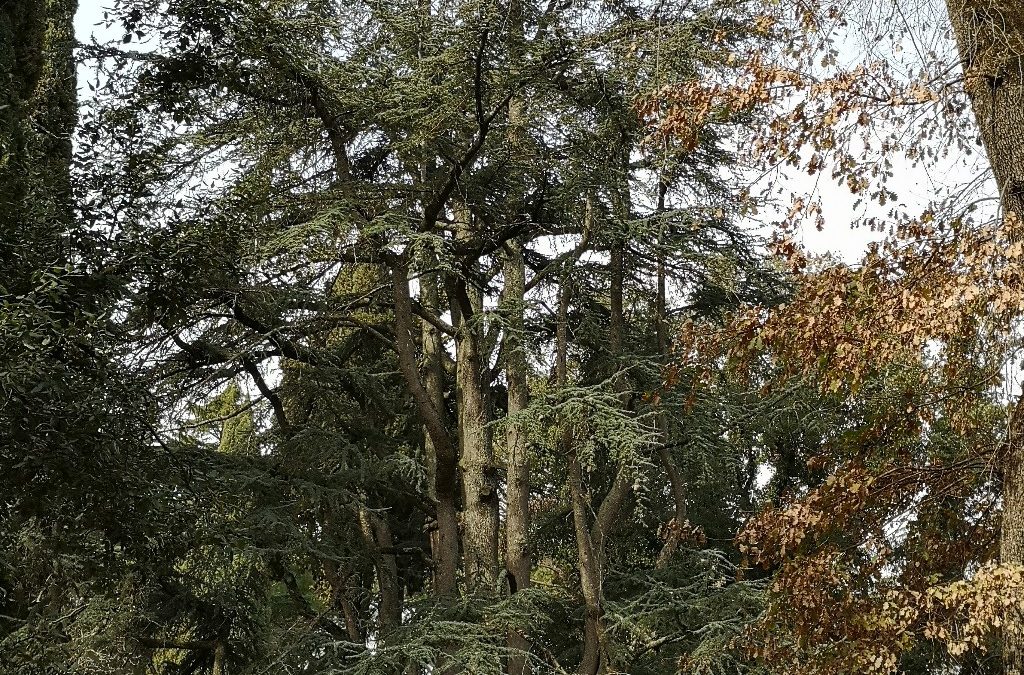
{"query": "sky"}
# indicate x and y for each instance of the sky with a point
(89, 12)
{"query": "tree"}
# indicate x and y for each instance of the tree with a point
(71, 419)
(913, 343)
(385, 222)
(990, 39)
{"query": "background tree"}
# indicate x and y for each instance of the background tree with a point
(915, 343)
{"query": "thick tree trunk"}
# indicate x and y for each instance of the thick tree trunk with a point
(431, 412)
(990, 38)
(38, 113)
(1011, 544)
(442, 467)
(442, 462)
(517, 510)
(476, 457)
(480, 525)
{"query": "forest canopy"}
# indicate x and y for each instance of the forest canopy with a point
(478, 336)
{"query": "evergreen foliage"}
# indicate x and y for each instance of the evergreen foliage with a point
(381, 336)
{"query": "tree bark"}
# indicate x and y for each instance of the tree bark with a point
(588, 552)
(592, 543)
(990, 39)
(442, 467)
(517, 509)
(590, 573)
(379, 541)
(406, 346)
(592, 555)
(480, 525)
(518, 564)
(476, 457)
(341, 599)
(442, 461)
(430, 408)
(38, 113)
(1011, 543)
(219, 654)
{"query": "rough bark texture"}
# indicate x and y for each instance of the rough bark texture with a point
(444, 543)
(517, 513)
(480, 524)
(517, 510)
(442, 461)
(1011, 545)
(990, 38)
(443, 467)
(38, 112)
(476, 457)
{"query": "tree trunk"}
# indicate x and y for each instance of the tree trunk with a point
(406, 347)
(677, 485)
(442, 462)
(517, 510)
(476, 458)
(990, 39)
(340, 598)
(377, 536)
(38, 113)
(219, 654)
(590, 573)
(592, 543)
(442, 467)
(476, 453)
(429, 405)
(1011, 543)
(590, 537)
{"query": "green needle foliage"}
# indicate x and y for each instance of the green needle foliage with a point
(284, 408)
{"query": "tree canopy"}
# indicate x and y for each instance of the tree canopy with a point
(474, 336)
